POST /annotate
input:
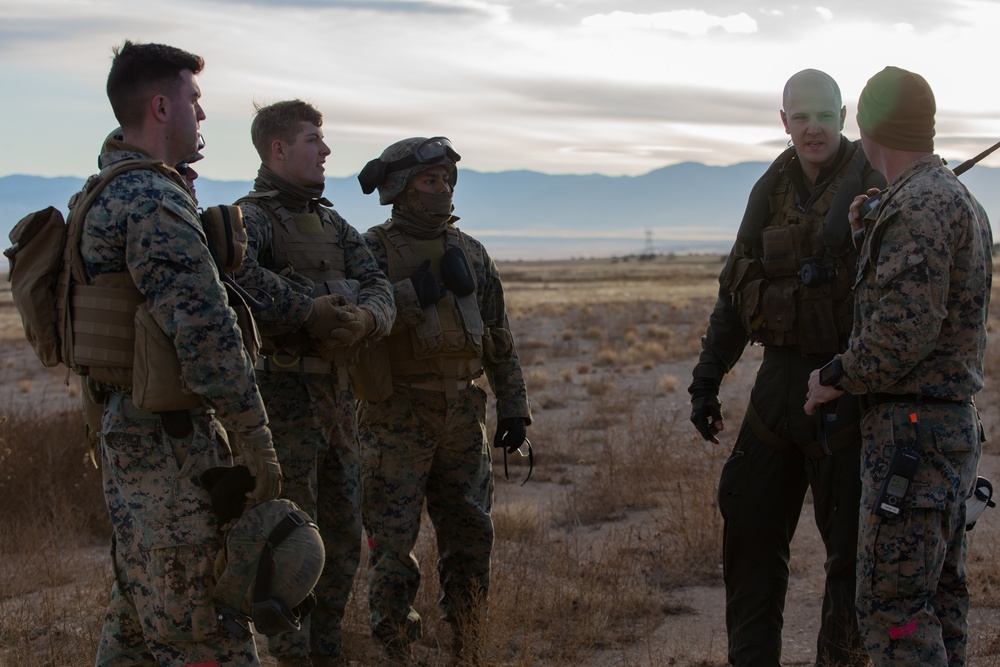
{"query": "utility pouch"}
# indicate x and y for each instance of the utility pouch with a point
(156, 371)
(445, 331)
(226, 235)
(900, 473)
(779, 307)
(371, 373)
(784, 248)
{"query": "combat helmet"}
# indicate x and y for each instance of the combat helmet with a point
(391, 171)
(273, 558)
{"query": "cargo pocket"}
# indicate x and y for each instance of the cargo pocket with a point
(904, 556)
(181, 579)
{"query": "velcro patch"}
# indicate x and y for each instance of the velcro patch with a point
(903, 630)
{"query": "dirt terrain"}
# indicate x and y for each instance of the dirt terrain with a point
(607, 348)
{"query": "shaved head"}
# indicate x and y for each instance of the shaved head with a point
(811, 77)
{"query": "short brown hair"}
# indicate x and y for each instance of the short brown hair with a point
(139, 71)
(280, 121)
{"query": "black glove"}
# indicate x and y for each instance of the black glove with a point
(455, 272)
(228, 488)
(511, 432)
(427, 287)
(706, 409)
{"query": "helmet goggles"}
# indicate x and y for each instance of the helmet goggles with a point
(431, 152)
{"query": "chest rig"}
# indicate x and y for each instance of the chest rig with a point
(309, 244)
(449, 343)
(793, 289)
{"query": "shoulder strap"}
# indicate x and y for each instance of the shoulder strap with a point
(757, 211)
(835, 233)
(80, 203)
(267, 200)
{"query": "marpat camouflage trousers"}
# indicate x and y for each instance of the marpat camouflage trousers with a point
(164, 545)
(913, 601)
(419, 445)
(315, 435)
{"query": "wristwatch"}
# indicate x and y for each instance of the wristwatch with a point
(830, 375)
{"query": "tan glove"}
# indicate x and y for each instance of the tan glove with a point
(324, 316)
(353, 324)
(256, 452)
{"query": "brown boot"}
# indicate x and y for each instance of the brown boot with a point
(293, 661)
(320, 660)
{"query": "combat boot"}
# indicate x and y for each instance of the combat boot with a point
(320, 660)
(293, 661)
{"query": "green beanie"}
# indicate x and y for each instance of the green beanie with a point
(896, 109)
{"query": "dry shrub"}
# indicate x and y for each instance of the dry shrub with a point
(597, 386)
(59, 621)
(519, 522)
(536, 380)
(668, 383)
(54, 579)
(566, 597)
(981, 569)
(607, 357)
(48, 483)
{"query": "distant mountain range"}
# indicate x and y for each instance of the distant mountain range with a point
(683, 208)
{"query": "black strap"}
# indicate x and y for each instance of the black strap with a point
(531, 462)
(265, 568)
(813, 450)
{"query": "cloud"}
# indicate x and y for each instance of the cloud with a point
(432, 7)
(825, 13)
(615, 100)
(694, 22)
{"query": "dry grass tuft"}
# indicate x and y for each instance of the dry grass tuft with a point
(593, 559)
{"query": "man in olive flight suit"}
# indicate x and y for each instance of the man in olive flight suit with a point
(787, 286)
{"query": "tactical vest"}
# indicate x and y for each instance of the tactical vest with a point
(794, 291)
(307, 243)
(110, 335)
(449, 343)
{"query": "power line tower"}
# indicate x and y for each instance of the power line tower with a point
(649, 249)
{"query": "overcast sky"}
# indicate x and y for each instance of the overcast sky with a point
(572, 86)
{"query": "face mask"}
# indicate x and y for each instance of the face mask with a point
(437, 204)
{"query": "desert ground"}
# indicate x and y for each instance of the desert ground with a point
(609, 555)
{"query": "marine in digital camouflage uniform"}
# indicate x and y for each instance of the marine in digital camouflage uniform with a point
(300, 250)
(427, 440)
(916, 355)
(796, 216)
(144, 233)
